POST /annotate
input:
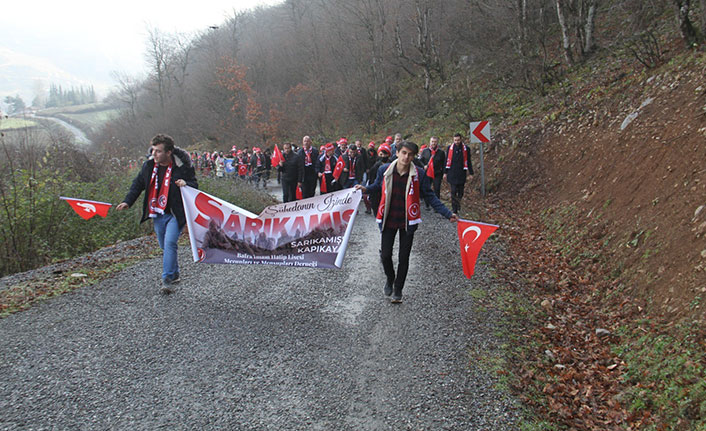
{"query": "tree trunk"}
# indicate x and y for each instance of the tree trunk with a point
(589, 26)
(566, 41)
(688, 32)
(703, 19)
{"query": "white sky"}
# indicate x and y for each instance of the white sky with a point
(91, 38)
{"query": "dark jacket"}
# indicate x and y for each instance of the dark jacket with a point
(359, 169)
(456, 174)
(314, 167)
(182, 169)
(384, 174)
(439, 160)
(293, 169)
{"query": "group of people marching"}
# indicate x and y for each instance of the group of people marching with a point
(253, 165)
(395, 177)
(343, 165)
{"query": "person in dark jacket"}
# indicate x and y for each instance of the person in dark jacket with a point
(310, 157)
(327, 163)
(435, 170)
(458, 167)
(292, 169)
(353, 168)
(402, 185)
(168, 166)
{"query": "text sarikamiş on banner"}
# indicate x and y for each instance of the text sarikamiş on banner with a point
(311, 232)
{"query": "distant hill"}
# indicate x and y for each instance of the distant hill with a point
(23, 74)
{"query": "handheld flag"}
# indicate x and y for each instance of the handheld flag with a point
(338, 170)
(276, 156)
(472, 236)
(299, 194)
(87, 209)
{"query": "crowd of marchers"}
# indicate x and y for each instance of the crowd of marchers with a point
(394, 178)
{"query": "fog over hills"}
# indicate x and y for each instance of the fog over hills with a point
(26, 75)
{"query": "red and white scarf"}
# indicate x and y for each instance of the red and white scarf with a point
(157, 199)
(430, 166)
(307, 158)
(327, 164)
(413, 193)
(351, 174)
(451, 154)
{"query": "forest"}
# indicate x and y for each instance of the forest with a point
(336, 67)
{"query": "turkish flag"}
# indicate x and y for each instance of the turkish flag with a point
(338, 170)
(87, 209)
(276, 156)
(472, 236)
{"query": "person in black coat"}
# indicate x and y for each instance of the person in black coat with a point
(353, 168)
(458, 167)
(310, 158)
(435, 170)
(167, 167)
(292, 169)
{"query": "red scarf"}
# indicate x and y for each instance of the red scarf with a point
(157, 199)
(430, 166)
(451, 153)
(307, 158)
(259, 161)
(412, 201)
(351, 174)
(327, 164)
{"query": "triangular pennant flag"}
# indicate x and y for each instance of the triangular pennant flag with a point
(472, 236)
(276, 156)
(87, 209)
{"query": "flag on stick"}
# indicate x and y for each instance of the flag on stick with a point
(87, 209)
(276, 156)
(472, 236)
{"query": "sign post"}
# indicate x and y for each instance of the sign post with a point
(480, 133)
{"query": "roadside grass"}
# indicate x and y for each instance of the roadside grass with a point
(665, 375)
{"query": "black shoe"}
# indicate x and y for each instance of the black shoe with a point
(388, 289)
(397, 296)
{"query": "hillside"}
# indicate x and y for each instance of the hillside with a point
(602, 203)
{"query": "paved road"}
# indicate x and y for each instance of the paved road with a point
(261, 348)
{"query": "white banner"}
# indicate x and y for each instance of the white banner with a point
(311, 232)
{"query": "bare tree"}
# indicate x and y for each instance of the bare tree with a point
(688, 32)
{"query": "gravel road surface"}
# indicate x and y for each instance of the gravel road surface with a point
(262, 348)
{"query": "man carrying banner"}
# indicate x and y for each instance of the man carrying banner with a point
(402, 184)
(292, 170)
(310, 156)
(167, 167)
(458, 167)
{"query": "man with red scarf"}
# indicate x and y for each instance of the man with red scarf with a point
(327, 164)
(458, 167)
(433, 159)
(310, 157)
(402, 184)
(168, 167)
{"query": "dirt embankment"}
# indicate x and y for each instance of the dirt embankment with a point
(620, 177)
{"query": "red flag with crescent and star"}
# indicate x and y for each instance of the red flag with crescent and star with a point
(87, 209)
(276, 156)
(472, 236)
(338, 170)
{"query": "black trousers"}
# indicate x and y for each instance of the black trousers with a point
(388, 240)
(456, 196)
(289, 190)
(309, 183)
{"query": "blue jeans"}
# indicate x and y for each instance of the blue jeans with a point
(167, 229)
